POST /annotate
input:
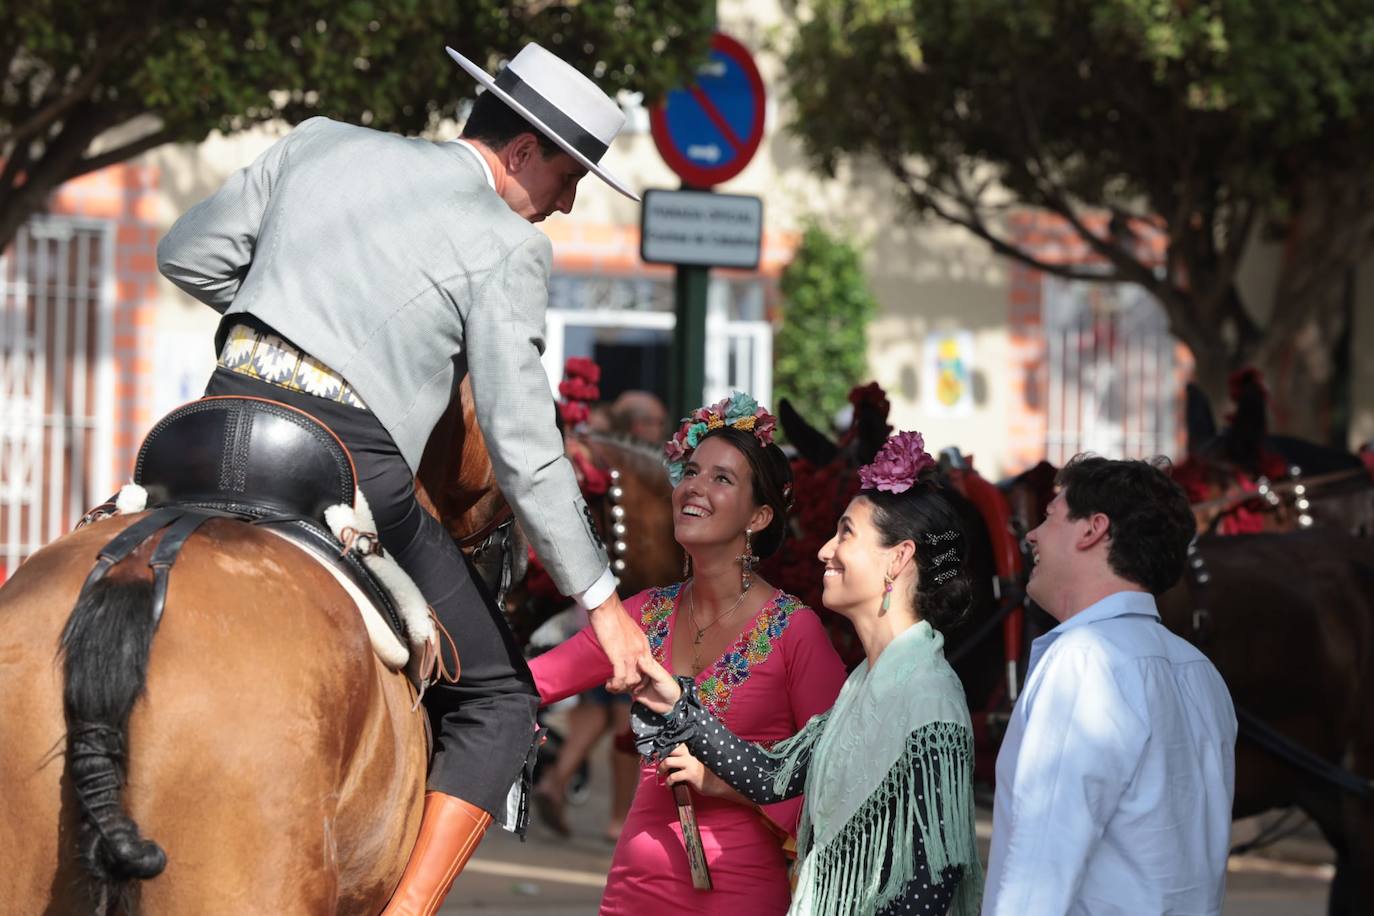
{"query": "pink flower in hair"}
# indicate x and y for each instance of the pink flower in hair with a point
(898, 464)
(764, 425)
(675, 449)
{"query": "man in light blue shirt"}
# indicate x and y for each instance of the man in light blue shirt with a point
(1116, 776)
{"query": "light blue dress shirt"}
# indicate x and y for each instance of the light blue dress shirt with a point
(1115, 779)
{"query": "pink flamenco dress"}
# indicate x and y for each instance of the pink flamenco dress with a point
(779, 673)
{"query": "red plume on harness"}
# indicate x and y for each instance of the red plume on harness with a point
(578, 389)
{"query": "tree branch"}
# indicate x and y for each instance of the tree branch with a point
(82, 126)
(16, 163)
(73, 95)
(119, 154)
(1054, 199)
(924, 197)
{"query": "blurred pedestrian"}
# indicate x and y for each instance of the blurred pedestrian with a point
(640, 415)
(1116, 775)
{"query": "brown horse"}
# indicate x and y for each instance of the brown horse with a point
(272, 757)
(272, 762)
(1288, 619)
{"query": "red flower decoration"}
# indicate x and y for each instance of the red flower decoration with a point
(583, 368)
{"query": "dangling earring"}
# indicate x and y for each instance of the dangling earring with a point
(887, 595)
(686, 566)
(747, 561)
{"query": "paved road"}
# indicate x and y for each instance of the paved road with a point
(549, 876)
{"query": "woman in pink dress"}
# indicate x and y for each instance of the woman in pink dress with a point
(761, 660)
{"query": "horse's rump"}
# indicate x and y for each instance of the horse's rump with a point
(266, 742)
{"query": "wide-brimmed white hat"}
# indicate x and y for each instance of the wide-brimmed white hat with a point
(561, 103)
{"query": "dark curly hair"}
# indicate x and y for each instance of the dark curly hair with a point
(925, 516)
(772, 476)
(1150, 522)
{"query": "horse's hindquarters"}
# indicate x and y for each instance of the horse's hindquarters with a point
(271, 757)
(39, 814)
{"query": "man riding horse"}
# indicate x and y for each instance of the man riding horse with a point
(361, 275)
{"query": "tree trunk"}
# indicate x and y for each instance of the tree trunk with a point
(1212, 366)
(1302, 377)
(58, 162)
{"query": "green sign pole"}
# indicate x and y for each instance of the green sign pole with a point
(688, 370)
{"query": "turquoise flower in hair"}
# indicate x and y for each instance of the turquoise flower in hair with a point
(738, 411)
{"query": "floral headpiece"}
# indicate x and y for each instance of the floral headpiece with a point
(739, 411)
(897, 465)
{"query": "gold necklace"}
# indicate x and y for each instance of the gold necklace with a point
(701, 631)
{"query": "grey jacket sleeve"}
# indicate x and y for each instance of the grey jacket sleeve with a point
(504, 339)
(208, 251)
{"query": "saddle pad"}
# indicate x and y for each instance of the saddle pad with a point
(385, 642)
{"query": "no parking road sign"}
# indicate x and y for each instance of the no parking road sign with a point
(708, 131)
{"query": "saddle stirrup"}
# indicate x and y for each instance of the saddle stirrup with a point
(450, 830)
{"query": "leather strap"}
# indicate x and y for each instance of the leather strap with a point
(181, 523)
(166, 554)
(127, 541)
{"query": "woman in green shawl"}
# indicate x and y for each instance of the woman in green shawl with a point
(887, 825)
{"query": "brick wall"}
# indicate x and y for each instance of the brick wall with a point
(124, 195)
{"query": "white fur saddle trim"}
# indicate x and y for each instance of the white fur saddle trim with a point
(405, 594)
(132, 498)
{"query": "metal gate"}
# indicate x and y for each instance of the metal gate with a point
(57, 394)
(1115, 379)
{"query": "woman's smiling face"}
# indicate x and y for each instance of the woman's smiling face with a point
(714, 503)
(855, 560)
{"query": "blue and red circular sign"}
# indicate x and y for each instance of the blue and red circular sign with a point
(708, 131)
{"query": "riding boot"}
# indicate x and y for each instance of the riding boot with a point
(449, 832)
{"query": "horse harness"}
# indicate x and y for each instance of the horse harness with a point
(1252, 726)
(250, 460)
(600, 484)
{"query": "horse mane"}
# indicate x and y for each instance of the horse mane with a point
(642, 458)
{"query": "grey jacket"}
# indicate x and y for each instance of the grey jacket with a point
(393, 262)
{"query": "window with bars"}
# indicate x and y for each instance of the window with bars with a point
(56, 380)
(1115, 374)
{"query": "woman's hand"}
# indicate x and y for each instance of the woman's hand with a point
(681, 768)
(657, 688)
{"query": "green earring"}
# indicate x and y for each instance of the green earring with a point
(887, 594)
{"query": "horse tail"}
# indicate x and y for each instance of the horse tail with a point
(106, 643)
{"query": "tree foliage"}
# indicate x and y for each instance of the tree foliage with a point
(1213, 122)
(822, 349)
(159, 71)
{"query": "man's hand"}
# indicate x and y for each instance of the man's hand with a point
(623, 642)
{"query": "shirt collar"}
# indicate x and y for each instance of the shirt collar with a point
(1117, 604)
(481, 160)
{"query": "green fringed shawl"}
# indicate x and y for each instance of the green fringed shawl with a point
(876, 759)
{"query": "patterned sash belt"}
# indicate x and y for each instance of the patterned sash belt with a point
(267, 357)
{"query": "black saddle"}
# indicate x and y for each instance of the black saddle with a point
(262, 462)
